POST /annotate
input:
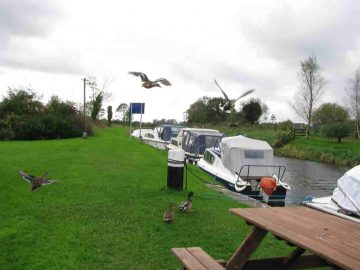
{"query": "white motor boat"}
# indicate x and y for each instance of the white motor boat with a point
(241, 163)
(345, 200)
(194, 141)
(159, 137)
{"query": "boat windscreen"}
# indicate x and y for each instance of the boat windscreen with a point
(200, 143)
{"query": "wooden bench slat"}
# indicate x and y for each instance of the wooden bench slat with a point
(187, 259)
(194, 258)
(205, 258)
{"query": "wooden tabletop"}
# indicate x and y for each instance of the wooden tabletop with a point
(334, 239)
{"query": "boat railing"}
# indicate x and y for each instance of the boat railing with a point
(246, 168)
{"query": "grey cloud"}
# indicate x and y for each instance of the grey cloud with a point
(22, 22)
(288, 36)
(50, 64)
(204, 74)
(27, 17)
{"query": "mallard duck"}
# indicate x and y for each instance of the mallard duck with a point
(185, 206)
(169, 214)
(36, 181)
(147, 83)
(230, 103)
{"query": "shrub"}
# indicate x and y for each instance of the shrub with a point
(23, 117)
(337, 130)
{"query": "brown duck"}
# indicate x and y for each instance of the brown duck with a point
(185, 206)
(36, 181)
(169, 214)
(147, 83)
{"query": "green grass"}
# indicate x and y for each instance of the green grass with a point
(325, 150)
(105, 211)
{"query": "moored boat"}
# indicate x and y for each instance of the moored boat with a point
(246, 165)
(160, 136)
(194, 141)
(345, 200)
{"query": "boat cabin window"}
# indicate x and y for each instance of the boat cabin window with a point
(257, 154)
(149, 135)
(175, 131)
(185, 137)
(208, 157)
(212, 141)
(174, 142)
(159, 131)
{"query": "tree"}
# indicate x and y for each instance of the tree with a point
(353, 91)
(123, 109)
(311, 89)
(96, 106)
(109, 114)
(337, 130)
(197, 111)
(20, 102)
(273, 118)
(98, 94)
(252, 111)
(330, 113)
(213, 112)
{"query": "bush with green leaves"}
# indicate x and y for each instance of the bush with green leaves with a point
(337, 130)
(24, 117)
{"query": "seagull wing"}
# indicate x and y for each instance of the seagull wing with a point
(245, 94)
(225, 95)
(143, 76)
(163, 81)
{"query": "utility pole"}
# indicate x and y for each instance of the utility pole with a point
(84, 133)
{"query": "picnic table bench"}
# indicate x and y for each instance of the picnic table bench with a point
(327, 241)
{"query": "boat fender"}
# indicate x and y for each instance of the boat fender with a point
(268, 185)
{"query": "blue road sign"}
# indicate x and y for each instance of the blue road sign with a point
(137, 108)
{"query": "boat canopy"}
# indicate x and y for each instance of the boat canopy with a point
(195, 141)
(166, 132)
(347, 192)
(238, 151)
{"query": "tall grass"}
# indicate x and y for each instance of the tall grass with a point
(105, 211)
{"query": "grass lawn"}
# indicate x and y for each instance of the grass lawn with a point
(324, 150)
(105, 211)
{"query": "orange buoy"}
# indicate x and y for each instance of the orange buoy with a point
(268, 185)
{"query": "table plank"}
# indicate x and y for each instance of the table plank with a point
(283, 223)
(187, 259)
(333, 238)
(205, 259)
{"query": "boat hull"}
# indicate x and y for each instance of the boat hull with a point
(276, 199)
(162, 145)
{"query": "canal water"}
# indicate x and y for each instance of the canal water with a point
(309, 178)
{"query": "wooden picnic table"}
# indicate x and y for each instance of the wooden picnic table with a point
(328, 239)
(320, 239)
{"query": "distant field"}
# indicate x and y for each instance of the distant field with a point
(106, 210)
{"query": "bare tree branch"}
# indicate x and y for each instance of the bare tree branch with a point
(311, 89)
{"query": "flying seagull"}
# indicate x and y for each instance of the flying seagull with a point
(36, 181)
(147, 83)
(229, 103)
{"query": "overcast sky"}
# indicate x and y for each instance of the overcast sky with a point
(52, 45)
